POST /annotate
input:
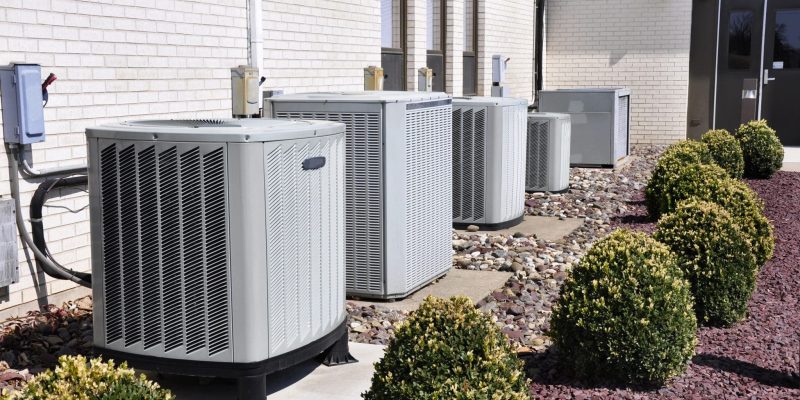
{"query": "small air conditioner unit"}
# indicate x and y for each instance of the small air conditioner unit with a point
(600, 123)
(217, 245)
(398, 184)
(548, 153)
(489, 161)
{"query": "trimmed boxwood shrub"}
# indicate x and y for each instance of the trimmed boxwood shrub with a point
(747, 210)
(763, 152)
(75, 378)
(715, 257)
(669, 164)
(726, 151)
(685, 181)
(447, 349)
(626, 312)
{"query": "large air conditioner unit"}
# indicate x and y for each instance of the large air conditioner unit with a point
(398, 184)
(489, 161)
(600, 123)
(548, 152)
(217, 245)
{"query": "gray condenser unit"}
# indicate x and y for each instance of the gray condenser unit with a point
(489, 161)
(547, 168)
(217, 245)
(600, 123)
(398, 184)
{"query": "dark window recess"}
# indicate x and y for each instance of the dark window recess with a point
(787, 39)
(740, 39)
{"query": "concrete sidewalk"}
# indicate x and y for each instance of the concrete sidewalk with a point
(308, 380)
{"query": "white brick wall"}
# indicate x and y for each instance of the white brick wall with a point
(507, 27)
(115, 60)
(639, 44)
(320, 45)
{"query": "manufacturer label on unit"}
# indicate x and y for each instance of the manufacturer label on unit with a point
(777, 65)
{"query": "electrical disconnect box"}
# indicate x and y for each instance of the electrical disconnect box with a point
(23, 112)
(499, 65)
(244, 91)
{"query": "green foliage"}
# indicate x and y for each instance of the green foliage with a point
(626, 312)
(76, 379)
(683, 182)
(669, 165)
(715, 257)
(747, 210)
(763, 152)
(726, 151)
(448, 350)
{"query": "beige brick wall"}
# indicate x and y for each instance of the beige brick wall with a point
(639, 44)
(115, 61)
(320, 45)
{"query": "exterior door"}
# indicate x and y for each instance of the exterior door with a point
(738, 58)
(781, 85)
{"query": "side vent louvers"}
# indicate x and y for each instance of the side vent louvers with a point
(363, 196)
(469, 164)
(538, 150)
(165, 261)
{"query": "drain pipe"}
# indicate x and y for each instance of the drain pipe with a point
(255, 39)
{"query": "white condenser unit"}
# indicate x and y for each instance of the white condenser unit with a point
(489, 161)
(217, 245)
(398, 184)
(547, 168)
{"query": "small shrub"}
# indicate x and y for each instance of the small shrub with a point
(747, 210)
(448, 350)
(685, 181)
(626, 312)
(76, 379)
(763, 152)
(715, 257)
(669, 164)
(726, 151)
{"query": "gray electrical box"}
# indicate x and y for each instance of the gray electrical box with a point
(600, 123)
(9, 265)
(23, 113)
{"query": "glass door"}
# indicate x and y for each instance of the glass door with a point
(393, 44)
(781, 79)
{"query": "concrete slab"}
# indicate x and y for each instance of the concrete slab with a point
(791, 167)
(791, 154)
(458, 282)
(308, 380)
(547, 228)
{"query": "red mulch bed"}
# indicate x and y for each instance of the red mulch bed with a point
(758, 358)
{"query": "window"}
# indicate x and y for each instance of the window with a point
(393, 53)
(469, 26)
(740, 39)
(391, 24)
(787, 39)
(470, 75)
(434, 35)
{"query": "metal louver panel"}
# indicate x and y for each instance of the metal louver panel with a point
(304, 288)
(469, 164)
(164, 252)
(428, 210)
(364, 251)
(537, 157)
(622, 134)
(513, 162)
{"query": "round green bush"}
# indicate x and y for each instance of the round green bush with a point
(726, 151)
(685, 181)
(763, 152)
(75, 378)
(669, 164)
(626, 313)
(715, 257)
(747, 210)
(448, 349)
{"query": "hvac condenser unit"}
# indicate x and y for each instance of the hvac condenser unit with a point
(398, 184)
(548, 152)
(489, 161)
(217, 245)
(600, 123)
